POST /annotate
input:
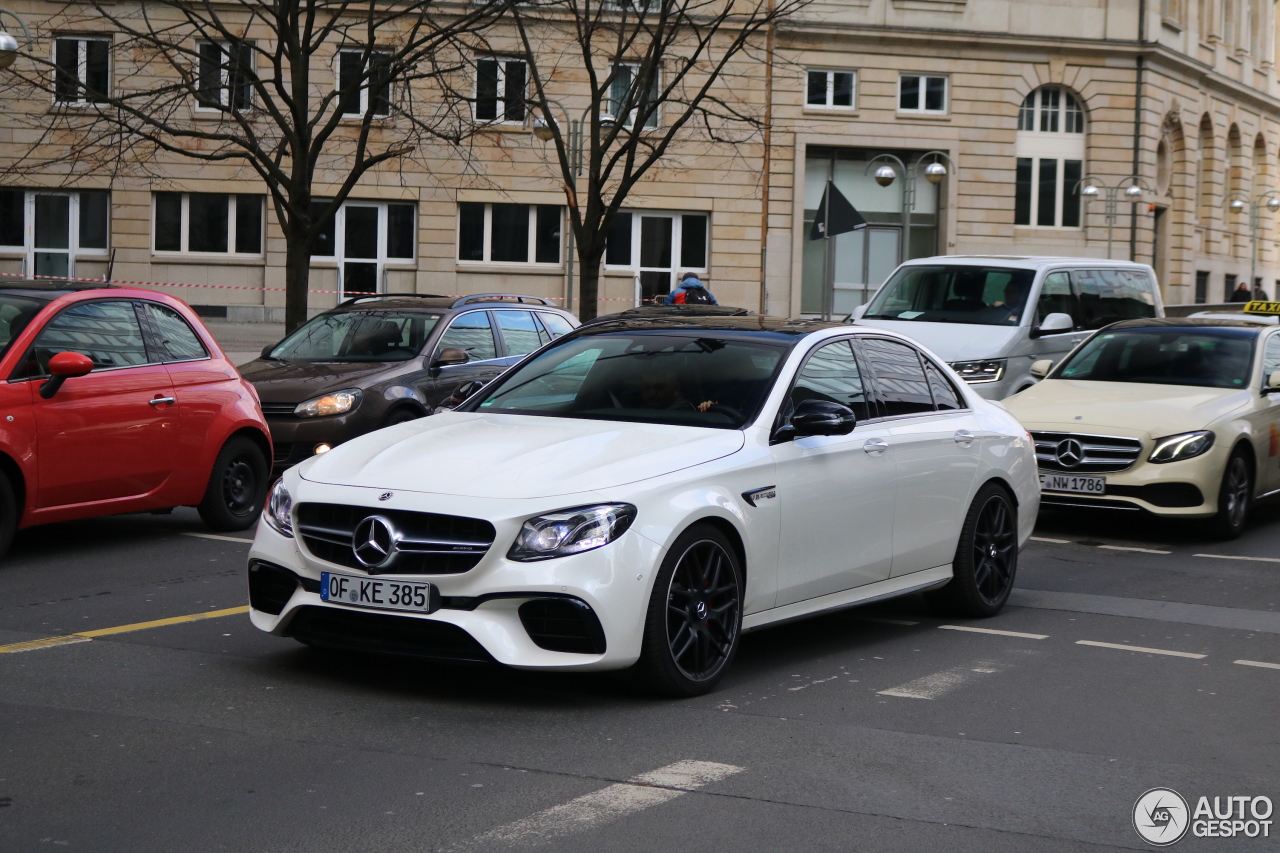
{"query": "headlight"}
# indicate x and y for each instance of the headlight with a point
(977, 372)
(571, 531)
(337, 403)
(279, 512)
(1187, 445)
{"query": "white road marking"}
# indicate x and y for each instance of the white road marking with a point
(1054, 541)
(1126, 648)
(611, 803)
(811, 683)
(883, 621)
(940, 683)
(1139, 550)
(218, 536)
(1260, 663)
(1234, 557)
(973, 630)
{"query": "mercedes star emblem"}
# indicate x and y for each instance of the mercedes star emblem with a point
(374, 541)
(1070, 453)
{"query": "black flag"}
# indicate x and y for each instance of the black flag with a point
(835, 215)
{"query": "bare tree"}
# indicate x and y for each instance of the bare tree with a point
(660, 76)
(295, 90)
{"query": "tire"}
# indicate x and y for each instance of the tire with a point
(692, 632)
(1235, 497)
(401, 416)
(9, 513)
(237, 486)
(986, 559)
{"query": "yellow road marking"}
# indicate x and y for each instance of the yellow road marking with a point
(84, 636)
(217, 536)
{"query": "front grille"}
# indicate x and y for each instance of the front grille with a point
(375, 632)
(428, 543)
(278, 410)
(563, 625)
(1099, 454)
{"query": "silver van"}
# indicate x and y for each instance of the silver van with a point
(992, 316)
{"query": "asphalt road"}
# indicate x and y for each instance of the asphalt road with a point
(880, 729)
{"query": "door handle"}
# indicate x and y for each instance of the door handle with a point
(875, 445)
(963, 436)
(158, 400)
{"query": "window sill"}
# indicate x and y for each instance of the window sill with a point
(1042, 230)
(207, 258)
(508, 268)
(82, 107)
(830, 112)
(921, 114)
(501, 127)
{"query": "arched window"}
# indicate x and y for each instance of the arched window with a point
(1205, 174)
(1050, 151)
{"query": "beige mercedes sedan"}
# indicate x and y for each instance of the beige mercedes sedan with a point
(1179, 417)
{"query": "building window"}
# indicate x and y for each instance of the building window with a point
(659, 246)
(620, 91)
(1050, 160)
(509, 233)
(500, 90)
(363, 83)
(830, 89)
(223, 81)
(1202, 287)
(919, 94)
(52, 228)
(1228, 286)
(213, 223)
(82, 72)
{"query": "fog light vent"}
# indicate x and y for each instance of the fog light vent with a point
(563, 625)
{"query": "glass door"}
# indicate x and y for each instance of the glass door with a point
(361, 259)
(656, 273)
(51, 244)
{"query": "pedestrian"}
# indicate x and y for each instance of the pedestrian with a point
(1259, 294)
(691, 292)
(1241, 293)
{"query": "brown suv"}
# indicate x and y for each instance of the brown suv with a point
(379, 360)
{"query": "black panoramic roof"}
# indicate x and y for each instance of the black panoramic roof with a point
(1186, 322)
(751, 325)
(661, 311)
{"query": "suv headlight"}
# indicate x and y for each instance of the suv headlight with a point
(1185, 445)
(977, 372)
(279, 514)
(336, 403)
(571, 531)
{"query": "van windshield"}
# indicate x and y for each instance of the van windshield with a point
(954, 293)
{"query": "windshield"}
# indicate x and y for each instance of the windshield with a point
(1212, 358)
(15, 313)
(953, 293)
(694, 379)
(359, 336)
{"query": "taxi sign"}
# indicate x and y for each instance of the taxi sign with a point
(1260, 307)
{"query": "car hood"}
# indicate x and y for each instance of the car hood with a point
(484, 455)
(954, 341)
(1076, 405)
(295, 381)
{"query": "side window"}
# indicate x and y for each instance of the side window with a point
(1056, 298)
(1271, 357)
(945, 396)
(555, 324)
(471, 332)
(171, 335)
(832, 374)
(107, 331)
(900, 381)
(519, 330)
(1108, 296)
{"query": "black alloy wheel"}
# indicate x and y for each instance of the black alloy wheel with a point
(986, 560)
(1235, 496)
(237, 486)
(695, 615)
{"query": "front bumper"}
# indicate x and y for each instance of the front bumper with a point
(1186, 489)
(485, 613)
(295, 439)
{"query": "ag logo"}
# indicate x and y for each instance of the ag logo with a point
(1160, 816)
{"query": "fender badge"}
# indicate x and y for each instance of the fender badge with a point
(763, 494)
(385, 496)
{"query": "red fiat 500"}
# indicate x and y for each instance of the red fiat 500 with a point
(119, 400)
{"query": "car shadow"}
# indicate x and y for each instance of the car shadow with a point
(90, 535)
(1090, 526)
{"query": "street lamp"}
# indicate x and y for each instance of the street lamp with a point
(9, 44)
(544, 130)
(1237, 202)
(1091, 187)
(934, 172)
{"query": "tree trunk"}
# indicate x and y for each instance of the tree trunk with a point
(297, 278)
(589, 283)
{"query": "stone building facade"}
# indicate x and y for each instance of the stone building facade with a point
(1023, 101)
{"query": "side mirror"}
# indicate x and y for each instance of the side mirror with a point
(822, 417)
(860, 310)
(266, 351)
(459, 395)
(62, 367)
(1055, 323)
(450, 356)
(1040, 369)
(1273, 381)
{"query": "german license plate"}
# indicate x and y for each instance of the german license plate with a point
(1075, 484)
(378, 594)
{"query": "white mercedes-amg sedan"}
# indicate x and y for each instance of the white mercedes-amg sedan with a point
(640, 492)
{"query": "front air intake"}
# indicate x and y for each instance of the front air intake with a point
(270, 587)
(563, 625)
